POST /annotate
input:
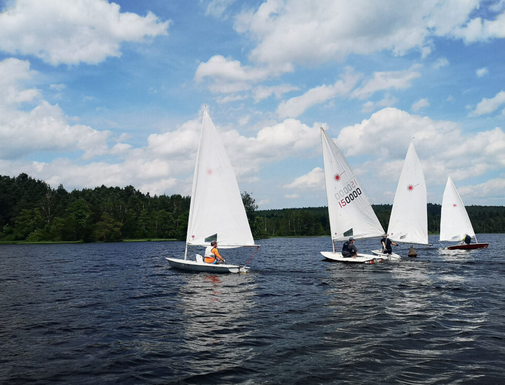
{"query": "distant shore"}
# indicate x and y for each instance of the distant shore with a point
(154, 240)
(71, 242)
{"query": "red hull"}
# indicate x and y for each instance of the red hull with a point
(471, 246)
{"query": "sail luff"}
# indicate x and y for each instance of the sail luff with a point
(349, 209)
(192, 211)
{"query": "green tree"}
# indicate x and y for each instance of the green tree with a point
(79, 220)
(250, 210)
(27, 222)
(107, 229)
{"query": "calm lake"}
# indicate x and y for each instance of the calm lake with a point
(117, 314)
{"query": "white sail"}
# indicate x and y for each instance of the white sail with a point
(409, 216)
(216, 211)
(349, 210)
(454, 221)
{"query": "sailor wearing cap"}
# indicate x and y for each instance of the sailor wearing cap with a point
(349, 250)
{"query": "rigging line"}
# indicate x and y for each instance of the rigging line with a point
(257, 248)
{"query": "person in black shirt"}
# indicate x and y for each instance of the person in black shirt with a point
(349, 250)
(386, 244)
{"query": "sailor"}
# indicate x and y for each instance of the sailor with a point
(212, 254)
(386, 244)
(349, 250)
(467, 239)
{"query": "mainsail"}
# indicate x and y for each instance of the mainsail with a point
(216, 211)
(454, 220)
(409, 216)
(349, 210)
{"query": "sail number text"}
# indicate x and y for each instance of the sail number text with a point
(347, 194)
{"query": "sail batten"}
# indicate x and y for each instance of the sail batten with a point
(349, 210)
(216, 203)
(408, 222)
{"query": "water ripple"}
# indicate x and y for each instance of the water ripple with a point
(115, 313)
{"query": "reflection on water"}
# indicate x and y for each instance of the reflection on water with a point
(216, 316)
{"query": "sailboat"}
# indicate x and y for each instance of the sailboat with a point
(351, 215)
(216, 210)
(455, 223)
(408, 222)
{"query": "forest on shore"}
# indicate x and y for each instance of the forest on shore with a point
(30, 210)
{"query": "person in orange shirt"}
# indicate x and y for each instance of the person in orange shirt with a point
(212, 254)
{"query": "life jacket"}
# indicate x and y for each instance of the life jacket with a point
(210, 255)
(210, 259)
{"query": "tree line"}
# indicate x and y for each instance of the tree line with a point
(33, 211)
(30, 210)
(314, 221)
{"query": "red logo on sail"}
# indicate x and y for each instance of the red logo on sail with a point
(338, 177)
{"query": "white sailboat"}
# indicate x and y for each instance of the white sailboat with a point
(216, 210)
(408, 222)
(455, 223)
(349, 210)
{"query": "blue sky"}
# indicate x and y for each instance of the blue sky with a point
(95, 92)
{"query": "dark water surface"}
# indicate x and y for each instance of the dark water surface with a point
(117, 314)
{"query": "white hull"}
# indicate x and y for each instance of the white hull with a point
(390, 257)
(361, 258)
(188, 265)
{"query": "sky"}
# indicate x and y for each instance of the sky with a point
(96, 92)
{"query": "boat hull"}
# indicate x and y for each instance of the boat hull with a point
(361, 258)
(195, 266)
(471, 246)
(389, 257)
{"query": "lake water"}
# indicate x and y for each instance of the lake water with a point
(117, 314)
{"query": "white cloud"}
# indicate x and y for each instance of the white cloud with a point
(165, 162)
(487, 106)
(314, 180)
(298, 105)
(290, 138)
(177, 144)
(57, 87)
(218, 8)
(13, 74)
(498, 6)
(244, 120)
(479, 29)
(120, 148)
(73, 31)
(287, 33)
(262, 92)
(158, 187)
(230, 98)
(482, 72)
(291, 196)
(370, 106)
(229, 75)
(493, 188)
(442, 146)
(386, 80)
(442, 62)
(43, 128)
(421, 103)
